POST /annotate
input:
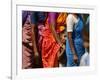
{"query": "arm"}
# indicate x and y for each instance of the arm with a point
(52, 27)
(33, 26)
(34, 39)
(75, 57)
(70, 25)
(35, 50)
(71, 43)
(61, 51)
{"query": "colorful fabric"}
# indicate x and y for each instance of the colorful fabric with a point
(62, 18)
(50, 47)
(26, 45)
(61, 22)
(78, 44)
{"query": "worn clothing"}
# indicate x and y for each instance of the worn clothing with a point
(78, 43)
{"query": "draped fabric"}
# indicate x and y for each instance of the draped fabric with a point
(50, 48)
(27, 52)
(27, 46)
(78, 44)
(61, 22)
(62, 18)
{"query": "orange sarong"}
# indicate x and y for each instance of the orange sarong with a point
(50, 48)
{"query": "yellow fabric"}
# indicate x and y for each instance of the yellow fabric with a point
(62, 18)
(61, 21)
(61, 28)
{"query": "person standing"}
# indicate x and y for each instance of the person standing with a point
(74, 42)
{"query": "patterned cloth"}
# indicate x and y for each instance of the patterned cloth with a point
(27, 51)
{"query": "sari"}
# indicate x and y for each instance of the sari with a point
(27, 51)
(50, 47)
(28, 18)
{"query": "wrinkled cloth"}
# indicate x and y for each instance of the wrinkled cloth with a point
(78, 44)
(85, 59)
(29, 18)
(61, 22)
(50, 47)
(27, 51)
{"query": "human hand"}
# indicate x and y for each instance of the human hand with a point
(75, 57)
(60, 53)
(37, 58)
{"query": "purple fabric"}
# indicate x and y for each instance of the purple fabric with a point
(52, 16)
(24, 16)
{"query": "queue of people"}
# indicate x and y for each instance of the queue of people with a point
(52, 39)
